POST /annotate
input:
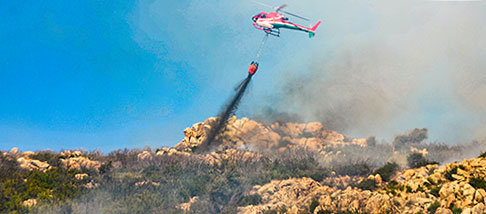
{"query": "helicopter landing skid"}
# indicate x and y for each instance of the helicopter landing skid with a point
(273, 32)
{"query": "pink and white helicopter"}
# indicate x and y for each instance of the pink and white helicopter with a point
(271, 22)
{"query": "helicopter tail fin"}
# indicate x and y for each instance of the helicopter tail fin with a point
(313, 29)
(315, 26)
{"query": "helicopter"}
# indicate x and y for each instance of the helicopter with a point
(271, 22)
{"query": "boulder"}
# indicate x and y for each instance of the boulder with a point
(313, 129)
(162, 151)
(29, 202)
(451, 198)
(468, 190)
(466, 211)
(145, 155)
(78, 162)
(81, 176)
(480, 195)
(14, 150)
(30, 164)
(441, 210)
(478, 209)
(27, 153)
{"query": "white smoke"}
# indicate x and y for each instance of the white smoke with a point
(418, 64)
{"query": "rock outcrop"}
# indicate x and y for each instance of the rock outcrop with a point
(450, 187)
(31, 164)
(250, 135)
(76, 160)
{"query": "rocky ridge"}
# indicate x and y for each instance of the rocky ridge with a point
(429, 189)
(254, 136)
(458, 187)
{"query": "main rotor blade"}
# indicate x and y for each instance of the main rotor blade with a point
(281, 7)
(300, 17)
(263, 4)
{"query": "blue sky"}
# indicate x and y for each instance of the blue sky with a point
(113, 74)
(118, 74)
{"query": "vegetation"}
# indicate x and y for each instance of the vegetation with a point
(416, 160)
(50, 157)
(17, 185)
(482, 155)
(477, 183)
(253, 199)
(433, 207)
(359, 168)
(387, 171)
(367, 184)
(448, 174)
(456, 210)
(435, 191)
(313, 205)
(125, 184)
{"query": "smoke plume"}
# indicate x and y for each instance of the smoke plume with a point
(229, 110)
(418, 64)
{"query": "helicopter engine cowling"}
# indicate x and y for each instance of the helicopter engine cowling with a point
(264, 24)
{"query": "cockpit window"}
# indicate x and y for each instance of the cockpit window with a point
(263, 16)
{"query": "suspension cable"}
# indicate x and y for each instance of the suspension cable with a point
(261, 47)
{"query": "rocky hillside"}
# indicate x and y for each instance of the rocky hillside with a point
(250, 168)
(453, 188)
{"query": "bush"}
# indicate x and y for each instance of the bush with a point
(451, 172)
(270, 212)
(416, 160)
(367, 184)
(478, 183)
(9, 167)
(50, 157)
(313, 205)
(435, 191)
(482, 155)
(456, 210)
(433, 207)
(387, 171)
(356, 169)
(254, 199)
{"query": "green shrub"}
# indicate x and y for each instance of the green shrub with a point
(482, 155)
(456, 210)
(416, 160)
(387, 171)
(313, 205)
(270, 212)
(435, 191)
(433, 207)
(477, 183)
(448, 174)
(50, 157)
(355, 169)
(253, 199)
(367, 184)
(9, 168)
(431, 182)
